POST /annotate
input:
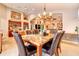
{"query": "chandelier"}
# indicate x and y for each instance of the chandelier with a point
(45, 15)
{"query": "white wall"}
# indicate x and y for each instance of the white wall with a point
(70, 20)
(4, 17)
(3, 20)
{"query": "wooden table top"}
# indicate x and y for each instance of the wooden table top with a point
(37, 39)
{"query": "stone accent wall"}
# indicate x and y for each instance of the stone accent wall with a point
(50, 22)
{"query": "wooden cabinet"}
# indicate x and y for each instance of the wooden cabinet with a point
(0, 42)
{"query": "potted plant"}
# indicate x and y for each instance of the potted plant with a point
(77, 30)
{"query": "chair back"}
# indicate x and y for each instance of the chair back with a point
(20, 44)
(54, 43)
(28, 32)
(62, 33)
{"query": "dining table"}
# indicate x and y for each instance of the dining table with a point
(37, 40)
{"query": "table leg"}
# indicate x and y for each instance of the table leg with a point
(39, 50)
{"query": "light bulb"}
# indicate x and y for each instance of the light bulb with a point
(44, 13)
(50, 14)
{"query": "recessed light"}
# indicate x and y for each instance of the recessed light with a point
(33, 9)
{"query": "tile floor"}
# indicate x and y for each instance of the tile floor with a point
(68, 48)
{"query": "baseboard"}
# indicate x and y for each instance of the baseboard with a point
(70, 42)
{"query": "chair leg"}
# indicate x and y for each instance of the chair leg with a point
(56, 52)
(59, 49)
(1, 51)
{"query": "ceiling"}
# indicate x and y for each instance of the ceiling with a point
(35, 8)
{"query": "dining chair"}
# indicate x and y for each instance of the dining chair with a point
(28, 32)
(23, 50)
(59, 43)
(52, 48)
(35, 31)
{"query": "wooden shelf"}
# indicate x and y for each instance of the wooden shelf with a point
(15, 20)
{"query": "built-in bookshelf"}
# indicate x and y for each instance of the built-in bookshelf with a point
(17, 21)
